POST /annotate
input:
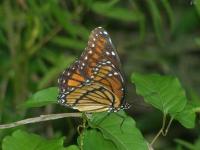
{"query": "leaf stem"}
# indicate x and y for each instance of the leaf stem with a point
(168, 126)
(160, 131)
(41, 118)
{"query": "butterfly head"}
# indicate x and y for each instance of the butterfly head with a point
(122, 107)
(125, 106)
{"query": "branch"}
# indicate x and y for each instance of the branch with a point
(41, 118)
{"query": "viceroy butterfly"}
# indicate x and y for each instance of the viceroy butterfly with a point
(94, 82)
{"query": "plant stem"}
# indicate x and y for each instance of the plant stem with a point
(168, 126)
(160, 131)
(41, 118)
(156, 137)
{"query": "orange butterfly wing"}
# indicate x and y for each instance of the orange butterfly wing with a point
(99, 48)
(98, 66)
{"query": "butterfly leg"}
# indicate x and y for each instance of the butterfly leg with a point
(81, 128)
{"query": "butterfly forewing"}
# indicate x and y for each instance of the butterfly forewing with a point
(99, 48)
(70, 79)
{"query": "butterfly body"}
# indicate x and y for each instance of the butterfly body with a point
(94, 83)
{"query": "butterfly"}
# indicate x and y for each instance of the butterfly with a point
(94, 82)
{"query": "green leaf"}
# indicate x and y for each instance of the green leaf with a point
(197, 41)
(109, 10)
(190, 146)
(156, 18)
(72, 147)
(185, 144)
(53, 72)
(116, 128)
(169, 12)
(65, 18)
(42, 98)
(163, 92)
(21, 140)
(187, 22)
(187, 116)
(94, 139)
(69, 43)
(197, 144)
(197, 6)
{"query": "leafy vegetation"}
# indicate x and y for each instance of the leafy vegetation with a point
(159, 39)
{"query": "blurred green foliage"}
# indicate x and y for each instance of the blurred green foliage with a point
(39, 39)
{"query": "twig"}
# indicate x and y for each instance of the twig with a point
(41, 118)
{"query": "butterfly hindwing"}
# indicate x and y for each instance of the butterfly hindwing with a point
(107, 75)
(92, 98)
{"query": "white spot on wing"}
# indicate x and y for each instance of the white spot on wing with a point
(90, 52)
(110, 40)
(62, 101)
(105, 32)
(113, 53)
(107, 53)
(62, 96)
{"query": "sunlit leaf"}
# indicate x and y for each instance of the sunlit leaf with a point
(163, 92)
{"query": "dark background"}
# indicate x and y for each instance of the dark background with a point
(39, 39)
